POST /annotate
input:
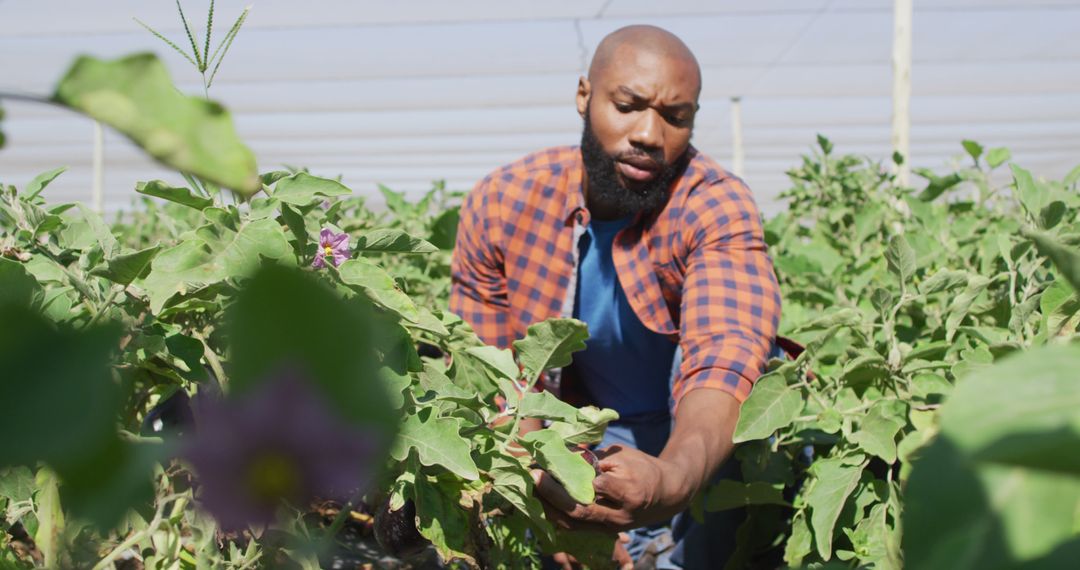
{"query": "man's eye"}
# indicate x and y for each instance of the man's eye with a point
(624, 107)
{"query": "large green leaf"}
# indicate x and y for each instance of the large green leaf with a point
(17, 287)
(589, 426)
(393, 241)
(1066, 259)
(546, 406)
(877, 433)
(286, 320)
(217, 252)
(1001, 484)
(576, 475)
(180, 195)
(302, 188)
(901, 258)
(549, 344)
(772, 405)
(379, 286)
(56, 392)
(441, 519)
(135, 96)
(729, 494)
(1028, 192)
(437, 441)
(834, 480)
(126, 268)
(35, 186)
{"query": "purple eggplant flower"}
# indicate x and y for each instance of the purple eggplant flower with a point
(332, 247)
(280, 443)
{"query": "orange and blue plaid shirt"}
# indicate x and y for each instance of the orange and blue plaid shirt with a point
(697, 271)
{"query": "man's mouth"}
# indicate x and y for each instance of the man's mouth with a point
(638, 169)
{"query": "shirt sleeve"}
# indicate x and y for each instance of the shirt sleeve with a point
(478, 291)
(731, 299)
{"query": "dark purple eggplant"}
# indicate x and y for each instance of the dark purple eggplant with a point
(396, 531)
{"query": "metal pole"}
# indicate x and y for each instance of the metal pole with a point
(737, 156)
(97, 198)
(901, 64)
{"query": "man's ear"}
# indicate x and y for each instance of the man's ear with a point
(584, 89)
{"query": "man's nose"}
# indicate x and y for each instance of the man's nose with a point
(648, 130)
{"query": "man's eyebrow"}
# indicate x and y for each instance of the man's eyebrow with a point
(680, 107)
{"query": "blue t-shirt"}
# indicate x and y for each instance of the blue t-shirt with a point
(624, 366)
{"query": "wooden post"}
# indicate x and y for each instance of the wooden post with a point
(737, 156)
(97, 197)
(901, 64)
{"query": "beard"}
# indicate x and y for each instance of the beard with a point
(606, 191)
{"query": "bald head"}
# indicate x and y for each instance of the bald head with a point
(630, 41)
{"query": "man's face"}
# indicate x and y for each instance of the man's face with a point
(639, 116)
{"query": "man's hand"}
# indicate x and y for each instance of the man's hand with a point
(635, 489)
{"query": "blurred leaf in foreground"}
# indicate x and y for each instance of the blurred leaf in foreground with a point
(135, 96)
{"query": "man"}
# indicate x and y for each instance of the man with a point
(661, 252)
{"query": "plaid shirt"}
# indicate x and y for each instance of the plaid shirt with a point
(696, 271)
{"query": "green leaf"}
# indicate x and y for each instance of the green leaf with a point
(135, 96)
(546, 406)
(126, 268)
(995, 157)
(438, 442)
(962, 303)
(588, 428)
(1072, 177)
(938, 184)
(1051, 215)
(17, 287)
(834, 480)
(973, 149)
(967, 515)
(1065, 258)
(772, 405)
(393, 241)
(441, 519)
(549, 344)
(1019, 411)
(286, 319)
(444, 229)
(729, 494)
(944, 280)
(878, 429)
(379, 286)
(117, 478)
(901, 258)
(179, 195)
(1028, 192)
(499, 360)
(575, 474)
(799, 544)
(35, 186)
(217, 252)
(301, 189)
(76, 392)
(395, 201)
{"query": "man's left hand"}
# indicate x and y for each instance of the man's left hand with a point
(633, 489)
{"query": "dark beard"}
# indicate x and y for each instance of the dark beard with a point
(607, 193)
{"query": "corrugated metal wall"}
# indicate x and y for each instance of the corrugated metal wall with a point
(405, 92)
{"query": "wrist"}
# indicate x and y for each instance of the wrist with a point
(679, 485)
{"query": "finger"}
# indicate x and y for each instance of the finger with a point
(624, 538)
(601, 453)
(552, 491)
(622, 557)
(610, 489)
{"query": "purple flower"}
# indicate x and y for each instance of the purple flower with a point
(281, 443)
(334, 247)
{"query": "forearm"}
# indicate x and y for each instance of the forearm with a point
(701, 439)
